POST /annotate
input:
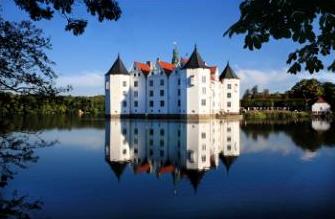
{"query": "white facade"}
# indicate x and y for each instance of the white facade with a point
(320, 107)
(160, 147)
(162, 88)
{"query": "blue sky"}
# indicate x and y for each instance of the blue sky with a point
(147, 30)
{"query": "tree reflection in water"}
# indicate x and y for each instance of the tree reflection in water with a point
(309, 136)
(17, 152)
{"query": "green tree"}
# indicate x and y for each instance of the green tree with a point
(329, 93)
(24, 64)
(307, 22)
(246, 94)
(254, 91)
(309, 90)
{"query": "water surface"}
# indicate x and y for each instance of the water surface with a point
(89, 168)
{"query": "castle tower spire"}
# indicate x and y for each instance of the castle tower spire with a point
(175, 55)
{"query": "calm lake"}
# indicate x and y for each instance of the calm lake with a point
(96, 168)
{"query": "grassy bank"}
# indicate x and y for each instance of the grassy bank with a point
(268, 115)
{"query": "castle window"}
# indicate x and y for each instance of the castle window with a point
(151, 152)
(135, 75)
(203, 158)
(161, 93)
(178, 92)
(151, 93)
(161, 142)
(135, 150)
(229, 95)
(124, 83)
(151, 103)
(124, 103)
(162, 82)
(178, 132)
(203, 102)
(124, 131)
(229, 147)
(135, 83)
(162, 153)
(229, 139)
(190, 155)
(135, 93)
(203, 90)
(124, 151)
(229, 104)
(135, 141)
(178, 81)
(151, 83)
(203, 79)
(178, 102)
(229, 86)
(203, 135)
(135, 103)
(204, 147)
(151, 142)
(162, 103)
(135, 131)
(228, 129)
(191, 80)
(162, 132)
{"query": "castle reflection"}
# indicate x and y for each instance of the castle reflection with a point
(182, 149)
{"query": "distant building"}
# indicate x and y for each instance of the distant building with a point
(184, 87)
(320, 107)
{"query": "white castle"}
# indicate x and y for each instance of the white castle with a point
(184, 88)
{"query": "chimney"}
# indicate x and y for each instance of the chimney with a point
(151, 66)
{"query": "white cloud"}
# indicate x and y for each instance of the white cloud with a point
(84, 84)
(276, 80)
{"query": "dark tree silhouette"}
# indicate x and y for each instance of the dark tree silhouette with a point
(24, 65)
(45, 9)
(17, 152)
(296, 20)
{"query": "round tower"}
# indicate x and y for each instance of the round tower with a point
(117, 88)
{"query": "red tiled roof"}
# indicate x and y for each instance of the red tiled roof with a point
(145, 68)
(212, 70)
(167, 67)
(142, 168)
(166, 169)
(321, 100)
